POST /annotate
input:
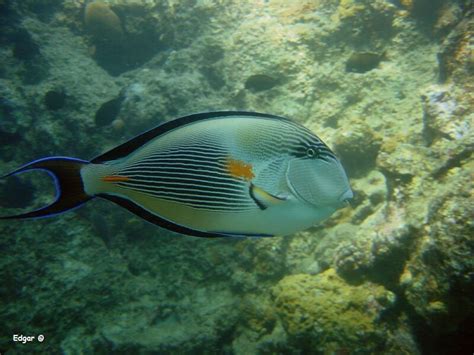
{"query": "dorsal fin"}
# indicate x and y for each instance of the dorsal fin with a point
(126, 148)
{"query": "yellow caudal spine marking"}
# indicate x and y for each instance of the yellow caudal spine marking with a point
(114, 178)
(239, 169)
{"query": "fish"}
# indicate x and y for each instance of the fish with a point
(362, 62)
(213, 174)
(260, 82)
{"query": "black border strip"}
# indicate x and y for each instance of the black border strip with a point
(164, 223)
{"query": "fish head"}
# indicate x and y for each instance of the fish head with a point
(319, 179)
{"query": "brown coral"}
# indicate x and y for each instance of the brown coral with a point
(325, 310)
(102, 22)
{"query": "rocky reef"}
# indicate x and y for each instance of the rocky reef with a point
(322, 313)
(393, 273)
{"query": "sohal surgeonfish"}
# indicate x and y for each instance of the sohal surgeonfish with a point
(213, 174)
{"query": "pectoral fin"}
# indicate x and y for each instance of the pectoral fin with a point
(263, 199)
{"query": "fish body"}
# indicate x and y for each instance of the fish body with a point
(362, 62)
(211, 175)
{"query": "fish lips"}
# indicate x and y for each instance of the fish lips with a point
(345, 198)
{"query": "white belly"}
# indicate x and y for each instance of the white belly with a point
(285, 218)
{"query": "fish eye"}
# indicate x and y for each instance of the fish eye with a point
(310, 152)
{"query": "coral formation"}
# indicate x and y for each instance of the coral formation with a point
(358, 147)
(102, 22)
(121, 43)
(330, 314)
(392, 273)
(443, 116)
(436, 283)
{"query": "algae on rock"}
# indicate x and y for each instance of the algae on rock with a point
(398, 259)
(327, 312)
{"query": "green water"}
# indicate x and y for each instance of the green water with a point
(386, 84)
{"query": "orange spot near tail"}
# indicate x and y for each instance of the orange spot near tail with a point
(240, 169)
(115, 178)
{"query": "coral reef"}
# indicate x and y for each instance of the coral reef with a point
(102, 22)
(357, 147)
(438, 277)
(330, 314)
(392, 273)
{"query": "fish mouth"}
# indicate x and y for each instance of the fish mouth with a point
(346, 196)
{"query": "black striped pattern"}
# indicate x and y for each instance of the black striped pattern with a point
(192, 170)
(135, 143)
(193, 175)
(293, 139)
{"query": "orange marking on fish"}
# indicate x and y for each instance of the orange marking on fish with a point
(240, 169)
(115, 178)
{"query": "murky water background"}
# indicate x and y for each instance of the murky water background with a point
(387, 84)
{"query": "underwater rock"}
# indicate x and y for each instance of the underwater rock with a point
(363, 22)
(187, 325)
(159, 308)
(449, 15)
(423, 10)
(55, 99)
(120, 46)
(243, 282)
(13, 113)
(324, 253)
(438, 280)
(443, 116)
(379, 250)
(456, 157)
(213, 53)
(362, 62)
(258, 314)
(24, 48)
(370, 192)
(8, 117)
(357, 147)
(402, 161)
(456, 56)
(260, 82)
(261, 258)
(323, 314)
